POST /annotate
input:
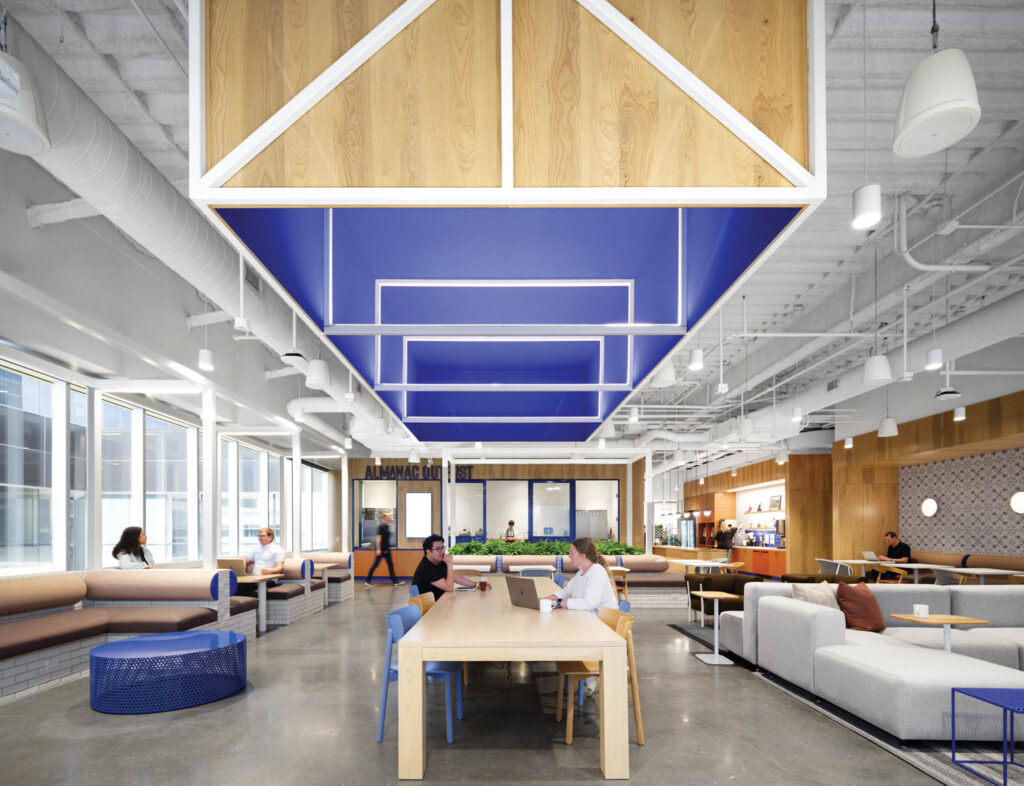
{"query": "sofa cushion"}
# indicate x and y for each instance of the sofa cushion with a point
(30, 593)
(285, 591)
(50, 630)
(901, 598)
(317, 584)
(1015, 635)
(859, 607)
(157, 619)
(972, 643)
(242, 603)
(821, 594)
(752, 594)
(339, 577)
(1001, 605)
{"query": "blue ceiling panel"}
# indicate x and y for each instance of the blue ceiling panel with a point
(486, 266)
(291, 243)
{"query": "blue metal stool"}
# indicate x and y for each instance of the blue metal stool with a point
(166, 671)
(1011, 702)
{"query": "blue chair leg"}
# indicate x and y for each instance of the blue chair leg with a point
(581, 683)
(458, 695)
(448, 707)
(383, 706)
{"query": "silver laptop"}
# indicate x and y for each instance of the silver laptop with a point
(870, 555)
(522, 592)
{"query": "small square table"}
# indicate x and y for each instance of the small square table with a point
(714, 659)
(945, 620)
(261, 594)
(1011, 702)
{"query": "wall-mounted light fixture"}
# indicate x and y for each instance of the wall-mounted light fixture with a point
(1017, 502)
(929, 507)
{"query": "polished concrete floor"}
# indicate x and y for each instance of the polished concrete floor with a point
(309, 716)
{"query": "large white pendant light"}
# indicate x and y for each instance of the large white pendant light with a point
(205, 360)
(888, 428)
(939, 105)
(933, 359)
(22, 121)
(696, 360)
(877, 370)
(318, 375)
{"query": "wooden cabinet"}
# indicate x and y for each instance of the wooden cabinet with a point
(763, 562)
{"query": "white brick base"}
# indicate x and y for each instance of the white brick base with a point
(285, 612)
(341, 591)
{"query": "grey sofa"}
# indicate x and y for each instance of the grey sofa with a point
(900, 679)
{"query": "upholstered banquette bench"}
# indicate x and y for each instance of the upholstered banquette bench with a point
(339, 580)
(297, 595)
(49, 623)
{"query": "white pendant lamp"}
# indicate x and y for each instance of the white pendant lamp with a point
(318, 376)
(848, 443)
(665, 377)
(205, 360)
(696, 360)
(414, 457)
(877, 370)
(888, 428)
(867, 206)
(781, 457)
(602, 443)
(376, 461)
(22, 121)
(959, 414)
(634, 414)
(797, 415)
(933, 359)
(939, 106)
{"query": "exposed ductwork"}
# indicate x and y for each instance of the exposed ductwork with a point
(93, 158)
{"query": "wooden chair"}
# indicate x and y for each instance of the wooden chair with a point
(732, 567)
(577, 671)
(620, 574)
(900, 573)
(424, 601)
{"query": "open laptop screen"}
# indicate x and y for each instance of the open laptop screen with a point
(522, 592)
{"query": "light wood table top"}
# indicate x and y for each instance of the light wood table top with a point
(940, 619)
(714, 595)
(252, 578)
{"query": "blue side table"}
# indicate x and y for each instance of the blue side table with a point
(166, 671)
(1011, 702)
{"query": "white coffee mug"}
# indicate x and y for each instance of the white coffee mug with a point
(546, 604)
(920, 611)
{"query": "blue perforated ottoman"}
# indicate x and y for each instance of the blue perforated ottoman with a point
(166, 671)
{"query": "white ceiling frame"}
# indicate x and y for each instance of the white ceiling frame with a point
(314, 92)
(477, 330)
(502, 387)
(706, 98)
(502, 419)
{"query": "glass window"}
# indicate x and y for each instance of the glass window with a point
(469, 510)
(371, 499)
(166, 489)
(228, 507)
(251, 498)
(77, 480)
(318, 509)
(117, 476)
(507, 500)
(597, 509)
(551, 506)
(25, 464)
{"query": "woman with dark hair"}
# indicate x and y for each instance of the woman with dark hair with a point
(131, 552)
(592, 587)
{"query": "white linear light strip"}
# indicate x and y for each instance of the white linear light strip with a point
(507, 125)
(315, 91)
(707, 98)
(658, 196)
(679, 267)
(330, 264)
(817, 147)
(484, 283)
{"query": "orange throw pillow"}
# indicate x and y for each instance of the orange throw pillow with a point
(859, 605)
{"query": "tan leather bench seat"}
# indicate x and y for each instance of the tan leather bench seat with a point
(317, 584)
(157, 619)
(50, 630)
(242, 603)
(285, 591)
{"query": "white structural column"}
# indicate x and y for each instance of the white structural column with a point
(346, 514)
(649, 499)
(211, 490)
(192, 492)
(448, 470)
(59, 475)
(94, 479)
(296, 523)
(137, 442)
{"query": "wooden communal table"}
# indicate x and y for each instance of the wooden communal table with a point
(945, 620)
(485, 626)
(261, 594)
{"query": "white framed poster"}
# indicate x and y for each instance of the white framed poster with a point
(419, 514)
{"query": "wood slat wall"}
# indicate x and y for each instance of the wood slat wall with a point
(865, 477)
(425, 110)
(808, 511)
(637, 533)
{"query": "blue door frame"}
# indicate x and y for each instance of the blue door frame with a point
(483, 522)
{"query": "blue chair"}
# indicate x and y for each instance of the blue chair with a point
(413, 590)
(537, 573)
(624, 606)
(561, 579)
(399, 622)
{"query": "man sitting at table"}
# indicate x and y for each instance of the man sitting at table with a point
(897, 551)
(268, 557)
(435, 572)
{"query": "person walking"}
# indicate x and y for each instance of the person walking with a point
(383, 552)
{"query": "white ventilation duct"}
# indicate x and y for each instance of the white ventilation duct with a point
(92, 157)
(672, 436)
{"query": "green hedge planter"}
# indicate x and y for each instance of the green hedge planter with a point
(538, 547)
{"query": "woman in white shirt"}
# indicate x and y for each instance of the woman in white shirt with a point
(592, 587)
(131, 552)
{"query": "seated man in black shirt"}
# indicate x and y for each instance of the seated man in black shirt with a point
(897, 551)
(435, 572)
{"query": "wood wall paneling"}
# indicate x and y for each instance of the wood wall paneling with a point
(808, 511)
(637, 533)
(590, 111)
(405, 563)
(423, 111)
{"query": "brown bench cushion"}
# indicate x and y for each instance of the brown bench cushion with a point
(664, 579)
(285, 591)
(157, 619)
(50, 630)
(31, 593)
(337, 578)
(317, 584)
(241, 604)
